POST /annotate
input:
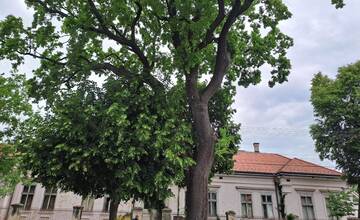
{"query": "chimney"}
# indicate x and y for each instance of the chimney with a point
(256, 147)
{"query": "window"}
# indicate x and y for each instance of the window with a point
(246, 206)
(49, 199)
(106, 206)
(267, 205)
(27, 196)
(212, 197)
(307, 207)
(87, 203)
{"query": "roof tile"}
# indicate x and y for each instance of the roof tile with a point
(269, 163)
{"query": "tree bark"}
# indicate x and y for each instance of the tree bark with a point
(197, 181)
(205, 138)
(114, 204)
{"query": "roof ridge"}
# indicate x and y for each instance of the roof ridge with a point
(239, 151)
(284, 165)
(283, 156)
(316, 165)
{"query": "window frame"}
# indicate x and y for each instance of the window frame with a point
(306, 206)
(88, 200)
(266, 204)
(247, 205)
(106, 204)
(210, 201)
(29, 193)
(50, 193)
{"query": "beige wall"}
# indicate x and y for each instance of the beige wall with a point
(317, 188)
(4, 202)
(228, 188)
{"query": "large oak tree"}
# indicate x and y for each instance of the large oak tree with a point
(157, 43)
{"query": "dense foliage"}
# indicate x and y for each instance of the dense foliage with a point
(14, 105)
(337, 110)
(13, 108)
(340, 204)
(118, 140)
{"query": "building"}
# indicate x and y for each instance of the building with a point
(261, 185)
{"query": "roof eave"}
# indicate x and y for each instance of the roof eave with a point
(308, 175)
(285, 174)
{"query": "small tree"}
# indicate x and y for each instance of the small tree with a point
(104, 140)
(13, 107)
(337, 110)
(340, 204)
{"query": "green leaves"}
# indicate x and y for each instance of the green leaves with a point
(135, 130)
(10, 174)
(13, 109)
(126, 33)
(338, 3)
(12, 42)
(13, 104)
(100, 140)
(337, 110)
(340, 203)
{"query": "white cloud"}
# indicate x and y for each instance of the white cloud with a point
(325, 39)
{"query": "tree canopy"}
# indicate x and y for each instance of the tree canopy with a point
(160, 44)
(340, 204)
(119, 140)
(337, 110)
(14, 105)
(13, 108)
(115, 140)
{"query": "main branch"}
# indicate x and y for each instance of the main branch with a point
(209, 37)
(222, 56)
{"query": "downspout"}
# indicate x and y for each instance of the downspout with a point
(282, 202)
(178, 202)
(8, 207)
(277, 196)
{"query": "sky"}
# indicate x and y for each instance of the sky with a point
(279, 118)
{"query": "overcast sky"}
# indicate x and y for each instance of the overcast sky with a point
(279, 118)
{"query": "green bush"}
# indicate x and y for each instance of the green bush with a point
(290, 217)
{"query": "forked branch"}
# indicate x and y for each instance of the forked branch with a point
(209, 37)
(222, 56)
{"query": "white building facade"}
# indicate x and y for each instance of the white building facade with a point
(261, 186)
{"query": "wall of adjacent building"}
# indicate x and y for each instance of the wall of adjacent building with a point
(316, 188)
(4, 203)
(228, 189)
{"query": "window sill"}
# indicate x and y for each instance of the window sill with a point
(46, 211)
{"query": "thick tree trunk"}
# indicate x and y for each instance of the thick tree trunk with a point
(197, 182)
(114, 204)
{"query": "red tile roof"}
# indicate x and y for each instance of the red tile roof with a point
(252, 162)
